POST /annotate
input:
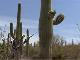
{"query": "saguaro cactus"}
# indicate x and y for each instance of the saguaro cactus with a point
(27, 42)
(45, 27)
(17, 35)
(19, 25)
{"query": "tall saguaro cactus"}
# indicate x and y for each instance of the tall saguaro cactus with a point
(17, 35)
(46, 27)
(18, 30)
(27, 42)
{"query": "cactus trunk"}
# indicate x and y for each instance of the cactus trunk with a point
(18, 22)
(45, 29)
(27, 44)
(11, 29)
(17, 36)
(21, 41)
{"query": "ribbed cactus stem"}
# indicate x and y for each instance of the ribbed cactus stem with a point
(19, 13)
(27, 43)
(15, 32)
(27, 32)
(20, 28)
(46, 23)
(21, 39)
(11, 29)
(17, 36)
(45, 29)
(18, 22)
(8, 38)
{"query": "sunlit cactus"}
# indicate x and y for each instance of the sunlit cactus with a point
(8, 46)
(19, 13)
(27, 41)
(15, 32)
(21, 39)
(46, 23)
(27, 33)
(17, 35)
(18, 30)
(21, 29)
(11, 29)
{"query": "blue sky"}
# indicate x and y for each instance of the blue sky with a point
(31, 12)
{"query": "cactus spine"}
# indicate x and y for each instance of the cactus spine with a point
(45, 27)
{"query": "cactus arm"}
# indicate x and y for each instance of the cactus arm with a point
(11, 31)
(51, 14)
(58, 19)
(19, 13)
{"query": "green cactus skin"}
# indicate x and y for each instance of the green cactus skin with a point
(8, 46)
(18, 29)
(45, 27)
(19, 13)
(27, 43)
(11, 29)
(27, 32)
(17, 35)
(21, 40)
(15, 32)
